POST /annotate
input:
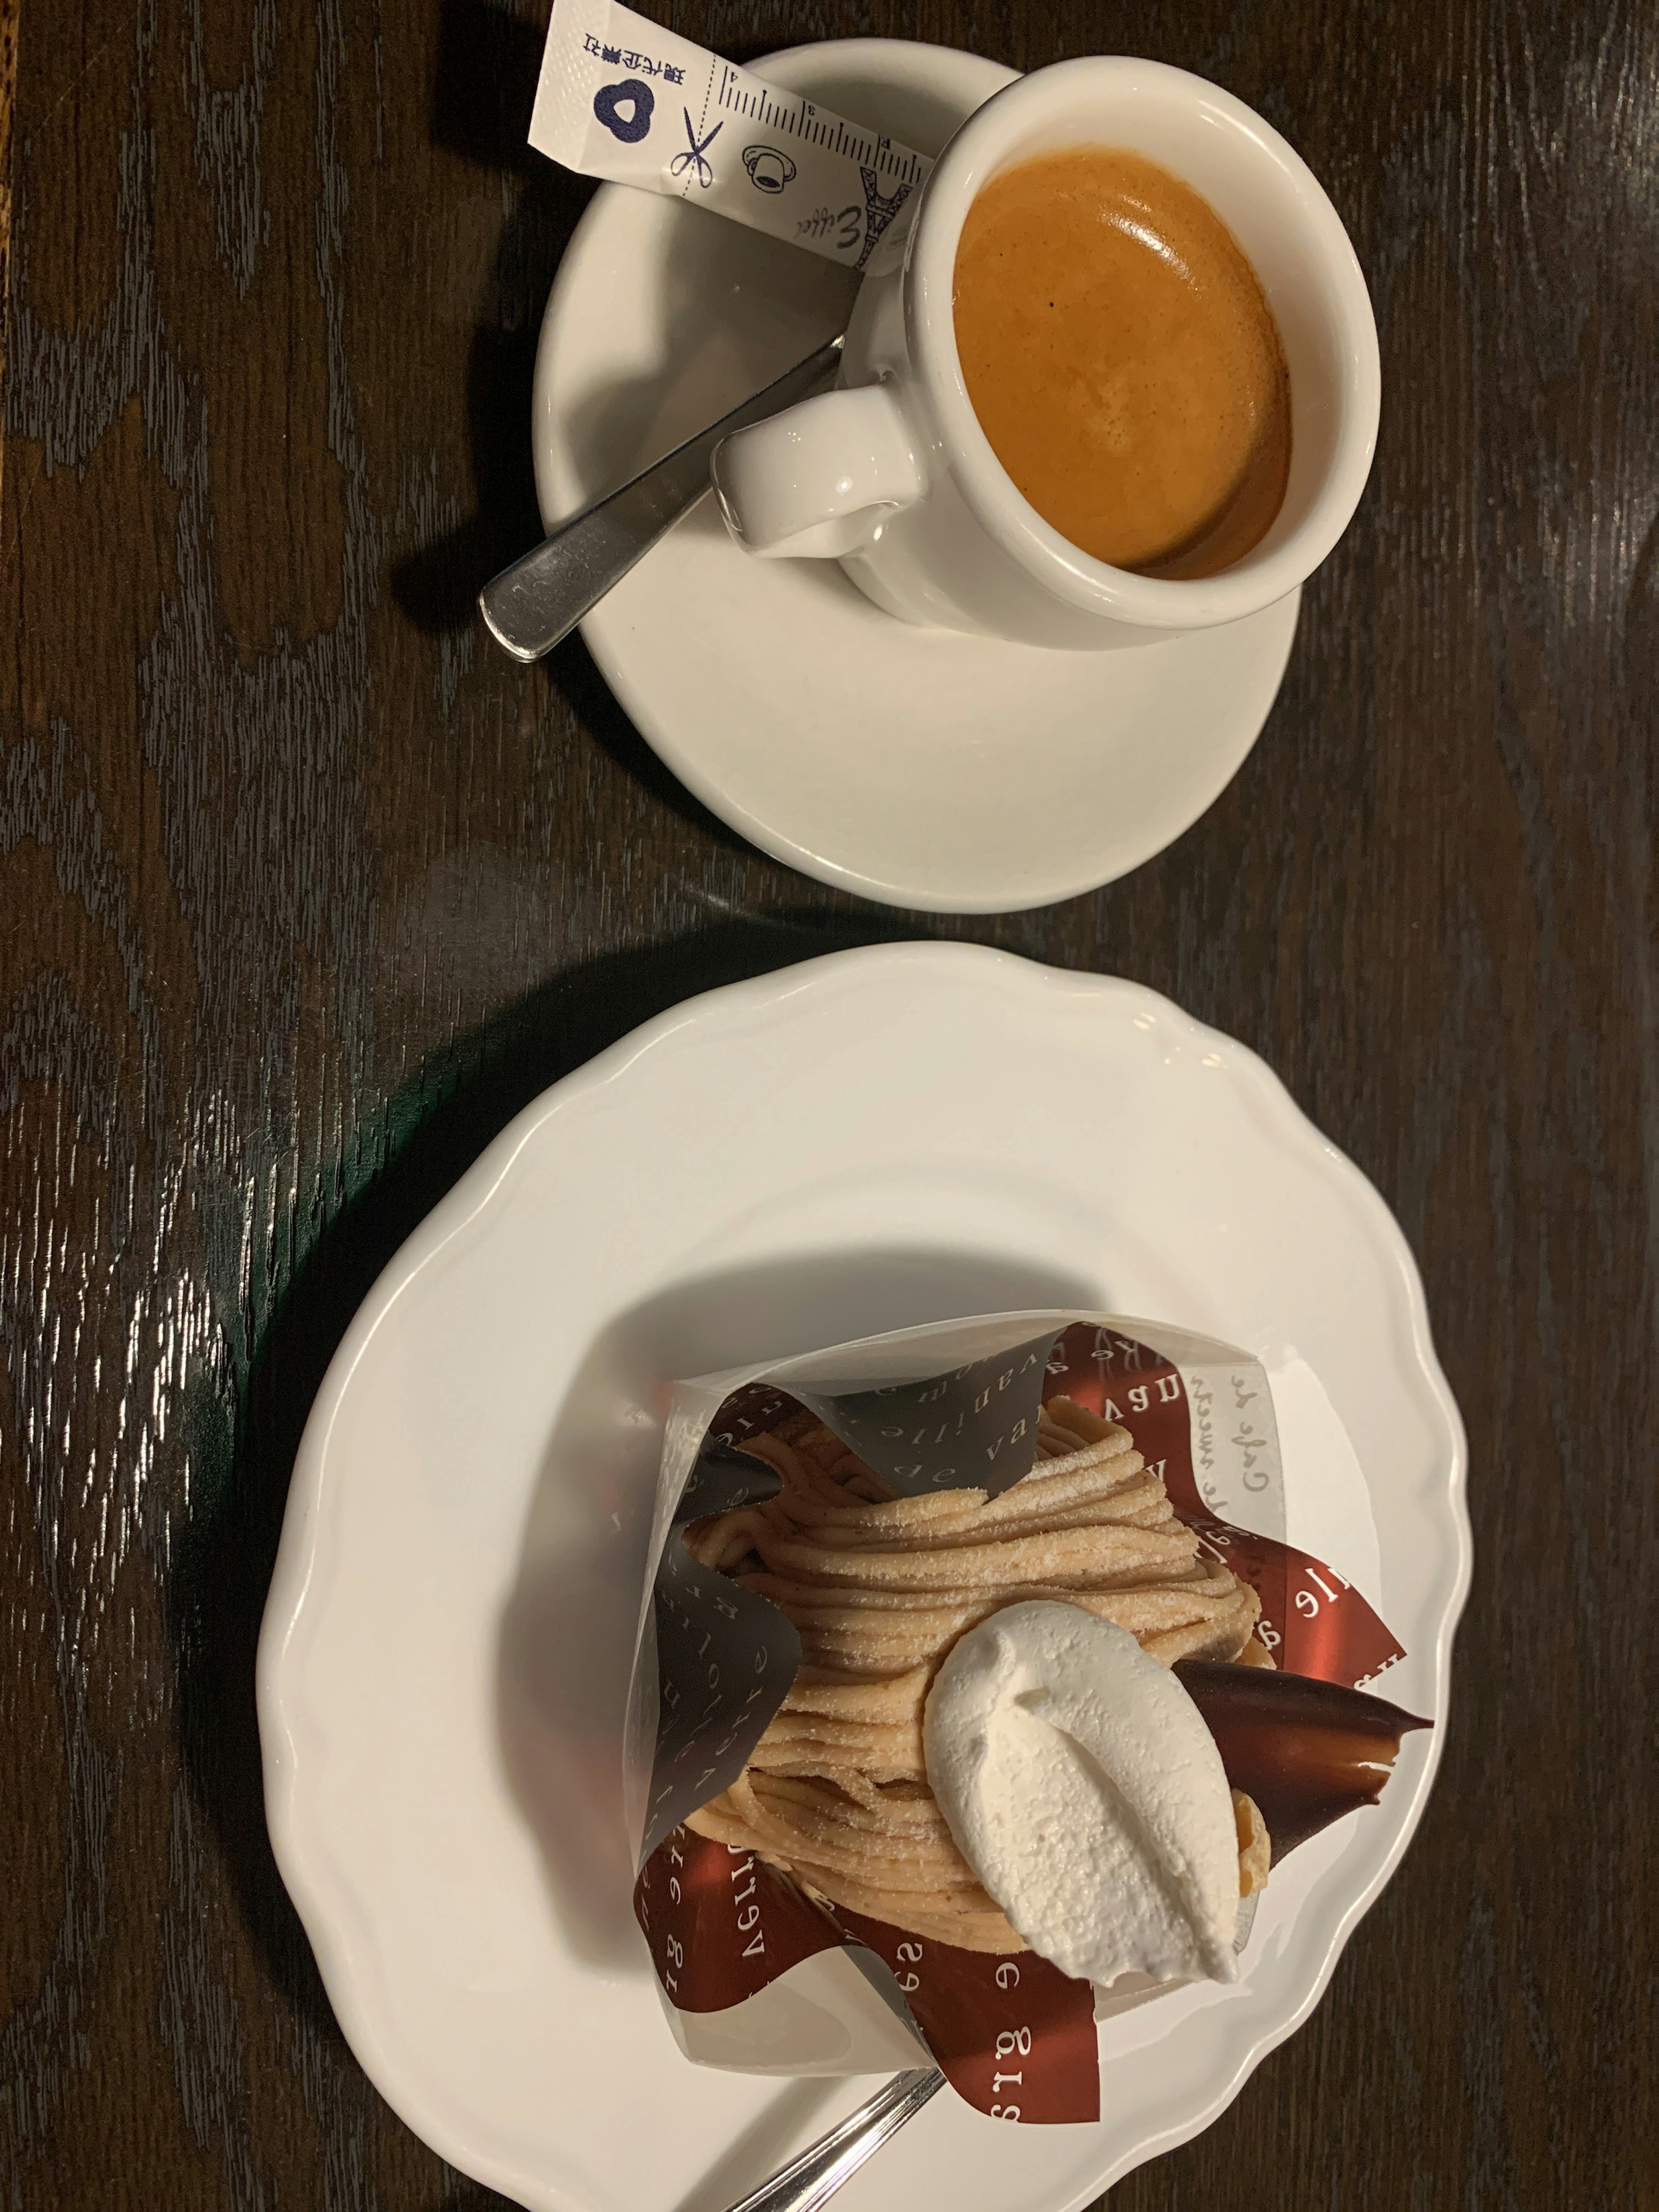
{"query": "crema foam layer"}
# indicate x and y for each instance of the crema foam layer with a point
(1123, 360)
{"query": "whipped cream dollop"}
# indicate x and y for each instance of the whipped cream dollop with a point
(1084, 1790)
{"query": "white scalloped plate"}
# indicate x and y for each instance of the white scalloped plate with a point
(878, 1138)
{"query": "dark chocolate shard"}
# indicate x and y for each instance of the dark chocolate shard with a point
(1306, 1751)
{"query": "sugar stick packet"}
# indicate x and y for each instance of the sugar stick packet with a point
(621, 98)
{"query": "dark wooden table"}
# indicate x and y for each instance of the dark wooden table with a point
(304, 892)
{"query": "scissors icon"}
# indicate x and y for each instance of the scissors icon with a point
(692, 159)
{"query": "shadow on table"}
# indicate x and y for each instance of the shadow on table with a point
(483, 89)
(567, 1634)
(571, 669)
(715, 349)
(223, 1556)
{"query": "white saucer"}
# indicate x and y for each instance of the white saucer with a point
(959, 775)
(876, 1138)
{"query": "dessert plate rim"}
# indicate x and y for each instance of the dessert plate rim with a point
(319, 1720)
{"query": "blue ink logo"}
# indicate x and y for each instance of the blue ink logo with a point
(633, 93)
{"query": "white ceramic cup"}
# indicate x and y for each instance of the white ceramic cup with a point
(890, 473)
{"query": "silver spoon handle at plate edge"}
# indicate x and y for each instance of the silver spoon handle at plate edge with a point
(813, 2178)
(539, 600)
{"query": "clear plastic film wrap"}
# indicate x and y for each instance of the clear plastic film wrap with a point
(759, 1970)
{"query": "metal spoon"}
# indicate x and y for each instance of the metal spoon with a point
(539, 600)
(813, 2177)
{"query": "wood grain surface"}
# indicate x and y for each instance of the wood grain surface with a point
(303, 891)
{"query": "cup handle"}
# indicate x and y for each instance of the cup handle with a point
(814, 481)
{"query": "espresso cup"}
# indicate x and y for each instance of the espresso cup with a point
(890, 474)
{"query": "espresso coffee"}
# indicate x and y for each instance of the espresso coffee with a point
(1123, 360)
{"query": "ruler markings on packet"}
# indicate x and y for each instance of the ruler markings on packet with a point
(625, 99)
(801, 117)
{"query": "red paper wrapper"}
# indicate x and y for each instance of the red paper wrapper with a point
(1014, 2036)
(1312, 1621)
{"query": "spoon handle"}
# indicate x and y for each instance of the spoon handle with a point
(530, 606)
(813, 2177)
